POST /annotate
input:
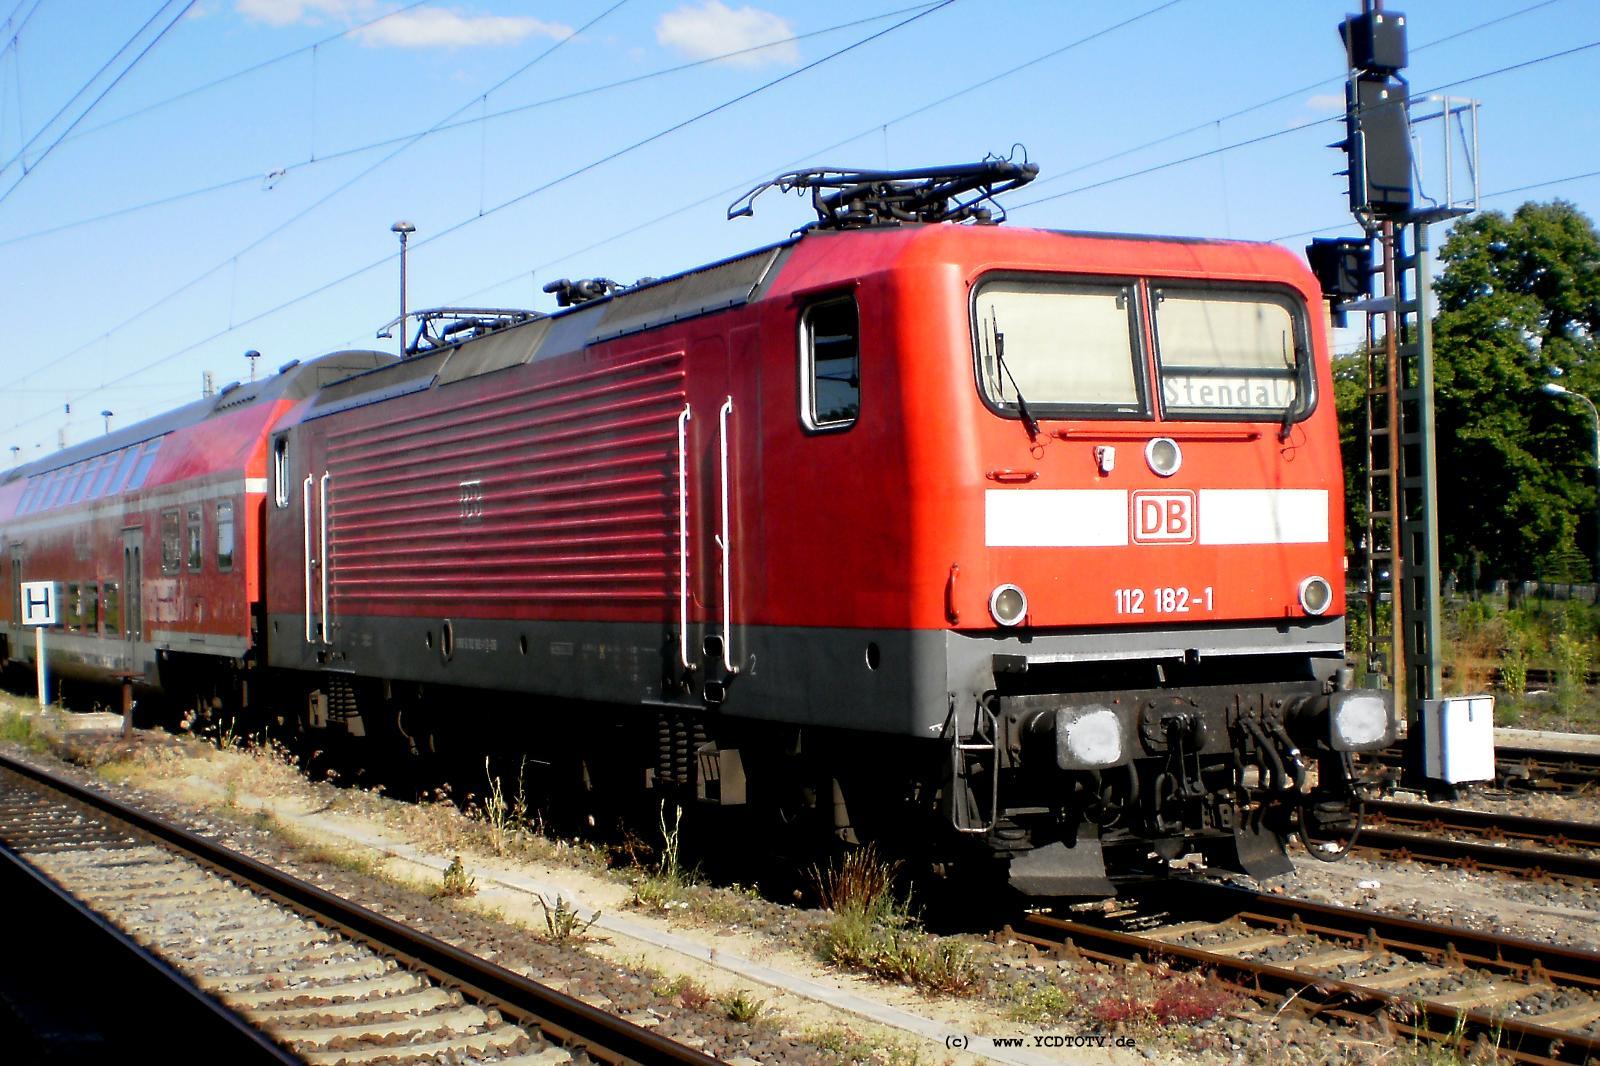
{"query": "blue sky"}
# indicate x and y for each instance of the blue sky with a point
(211, 178)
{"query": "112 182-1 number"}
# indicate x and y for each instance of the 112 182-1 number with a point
(1163, 600)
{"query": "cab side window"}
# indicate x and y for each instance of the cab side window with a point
(280, 471)
(830, 364)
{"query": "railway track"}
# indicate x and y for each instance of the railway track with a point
(1528, 768)
(1431, 833)
(1535, 1003)
(275, 969)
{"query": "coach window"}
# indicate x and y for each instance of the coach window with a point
(80, 480)
(89, 615)
(830, 365)
(225, 535)
(119, 480)
(280, 471)
(53, 489)
(1232, 354)
(113, 610)
(170, 548)
(147, 459)
(103, 478)
(196, 538)
(1068, 346)
(73, 607)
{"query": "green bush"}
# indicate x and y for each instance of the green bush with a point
(1572, 670)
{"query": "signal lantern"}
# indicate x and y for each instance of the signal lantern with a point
(1343, 266)
(1377, 140)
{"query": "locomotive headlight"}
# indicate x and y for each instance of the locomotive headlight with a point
(1315, 595)
(1360, 720)
(1089, 738)
(1164, 456)
(1008, 604)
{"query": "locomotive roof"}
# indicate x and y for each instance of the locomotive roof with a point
(295, 381)
(346, 379)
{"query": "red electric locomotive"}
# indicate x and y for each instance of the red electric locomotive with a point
(1029, 542)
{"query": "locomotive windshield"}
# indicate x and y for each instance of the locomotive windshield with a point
(1223, 352)
(1062, 343)
(1073, 347)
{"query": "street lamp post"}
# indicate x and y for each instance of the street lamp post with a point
(405, 229)
(107, 416)
(1560, 390)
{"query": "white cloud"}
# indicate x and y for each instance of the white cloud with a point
(437, 27)
(420, 27)
(312, 12)
(714, 29)
(1326, 102)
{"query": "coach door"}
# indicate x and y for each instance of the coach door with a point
(16, 585)
(133, 590)
(314, 490)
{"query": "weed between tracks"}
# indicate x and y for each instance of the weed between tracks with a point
(563, 924)
(457, 883)
(874, 930)
(849, 1046)
(18, 728)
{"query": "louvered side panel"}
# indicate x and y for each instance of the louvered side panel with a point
(548, 492)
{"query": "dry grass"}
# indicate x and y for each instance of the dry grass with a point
(457, 883)
(847, 1047)
(873, 931)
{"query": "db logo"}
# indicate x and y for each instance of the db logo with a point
(1163, 517)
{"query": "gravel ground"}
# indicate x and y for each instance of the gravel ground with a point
(1020, 991)
(638, 996)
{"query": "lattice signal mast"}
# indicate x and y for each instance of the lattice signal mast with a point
(1384, 146)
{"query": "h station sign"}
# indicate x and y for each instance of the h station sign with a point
(39, 602)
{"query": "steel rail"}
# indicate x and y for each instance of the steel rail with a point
(1572, 770)
(1472, 855)
(1547, 768)
(564, 1019)
(1490, 824)
(1523, 1040)
(198, 1023)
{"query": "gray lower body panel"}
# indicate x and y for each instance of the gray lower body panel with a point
(86, 657)
(901, 682)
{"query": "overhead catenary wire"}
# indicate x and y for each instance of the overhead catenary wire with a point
(21, 156)
(157, 39)
(482, 120)
(303, 212)
(1334, 228)
(745, 183)
(989, 81)
(1278, 99)
(610, 157)
(13, 31)
(1274, 135)
(877, 126)
(246, 71)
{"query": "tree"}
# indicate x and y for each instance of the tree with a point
(1519, 304)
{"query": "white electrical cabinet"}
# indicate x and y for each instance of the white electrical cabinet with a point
(1458, 739)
